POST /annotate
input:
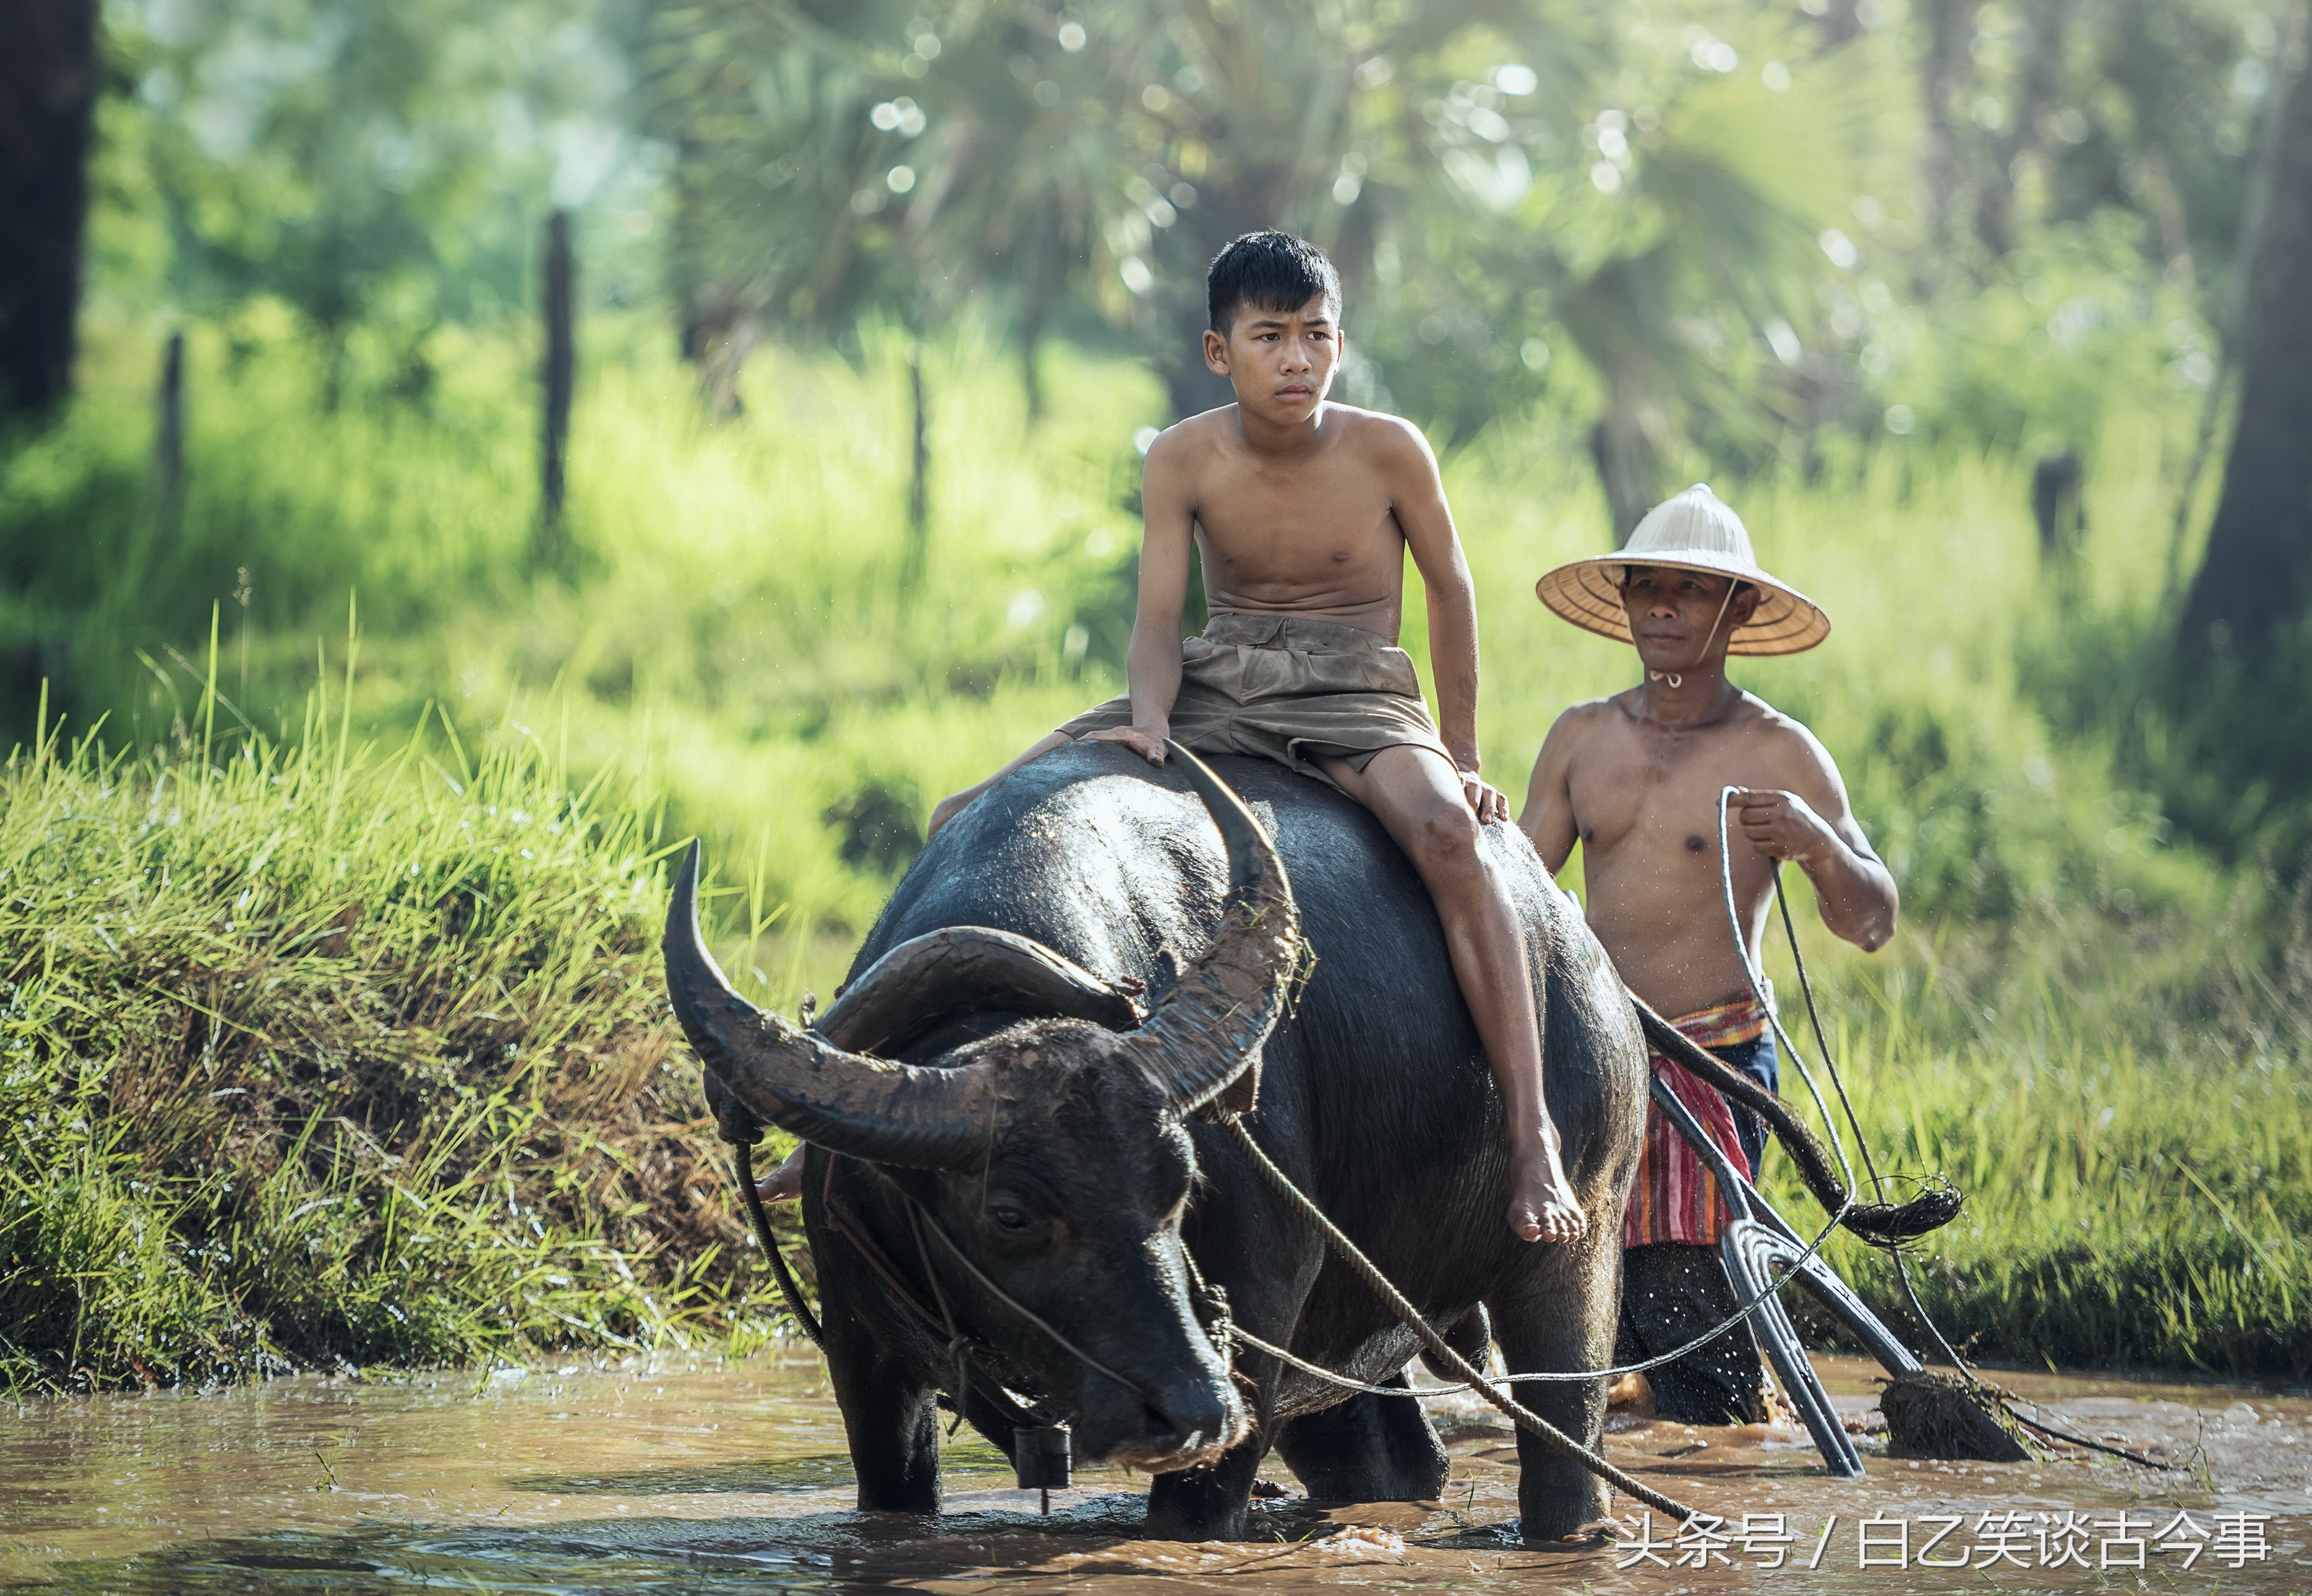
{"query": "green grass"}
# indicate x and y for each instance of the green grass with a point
(2126, 1204)
(315, 1052)
(731, 630)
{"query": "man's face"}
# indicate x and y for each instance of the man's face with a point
(1671, 612)
(1281, 363)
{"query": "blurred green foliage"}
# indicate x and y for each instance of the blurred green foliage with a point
(731, 644)
(1861, 267)
(373, 167)
(1704, 226)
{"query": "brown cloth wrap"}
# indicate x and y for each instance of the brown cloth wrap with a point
(1295, 691)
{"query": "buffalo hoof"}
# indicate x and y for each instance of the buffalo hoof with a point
(1213, 1503)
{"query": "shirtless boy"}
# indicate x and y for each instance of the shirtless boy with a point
(1637, 777)
(1303, 509)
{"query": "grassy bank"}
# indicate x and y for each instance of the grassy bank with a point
(2126, 1204)
(2092, 1023)
(324, 1053)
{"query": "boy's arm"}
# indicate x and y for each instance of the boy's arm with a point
(1152, 665)
(1548, 816)
(1418, 498)
(1813, 827)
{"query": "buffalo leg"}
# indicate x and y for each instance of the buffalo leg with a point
(1210, 1504)
(1561, 1316)
(1213, 1503)
(892, 1424)
(1367, 1449)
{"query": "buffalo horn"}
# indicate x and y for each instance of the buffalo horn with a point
(1208, 1031)
(846, 1103)
(973, 968)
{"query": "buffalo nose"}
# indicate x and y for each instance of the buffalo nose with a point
(1185, 1420)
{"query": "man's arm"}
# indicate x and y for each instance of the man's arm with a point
(1417, 495)
(1152, 664)
(1813, 827)
(1548, 816)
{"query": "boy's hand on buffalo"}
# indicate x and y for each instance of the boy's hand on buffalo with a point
(1148, 745)
(948, 808)
(1781, 825)
(1487, 802)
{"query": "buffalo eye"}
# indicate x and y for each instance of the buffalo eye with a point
(1007, 1217)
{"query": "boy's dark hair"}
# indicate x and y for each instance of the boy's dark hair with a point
(1271, 271)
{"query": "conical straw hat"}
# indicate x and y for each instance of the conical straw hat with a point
(1694, 532)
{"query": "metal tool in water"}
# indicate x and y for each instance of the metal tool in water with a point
(1043, 1457)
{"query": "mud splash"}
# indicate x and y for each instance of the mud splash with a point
(677, 1476)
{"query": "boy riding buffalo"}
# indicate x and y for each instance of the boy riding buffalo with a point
(1304, 510)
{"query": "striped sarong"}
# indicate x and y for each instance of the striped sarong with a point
(1675, 1197)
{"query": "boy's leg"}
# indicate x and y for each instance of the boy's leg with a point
(1415, 793)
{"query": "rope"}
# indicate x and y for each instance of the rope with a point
(1018, 1307)
(1757, 981)
(1983, 1389)
(743, 1155)
(1574, 1376)
(1531, 1423)
(1238, 1334)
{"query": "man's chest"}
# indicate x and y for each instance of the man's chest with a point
(1644, 790)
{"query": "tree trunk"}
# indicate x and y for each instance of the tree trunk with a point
(2258, 570)
(561, 370)
(1039, 285)
(1941, 65)
(1626, 447)
(2046, 24)
(47, 104)
(2235, 311)
(1032, 379)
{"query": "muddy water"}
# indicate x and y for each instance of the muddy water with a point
(697, 1476)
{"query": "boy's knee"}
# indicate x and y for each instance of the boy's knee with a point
(1445, 839)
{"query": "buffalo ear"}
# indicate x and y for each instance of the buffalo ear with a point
(968, 968)
(1242, 1095)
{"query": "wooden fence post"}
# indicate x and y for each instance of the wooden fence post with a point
(169, 447)
(919, 490)
(560, 371)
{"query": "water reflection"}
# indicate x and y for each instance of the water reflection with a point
(700, 1477)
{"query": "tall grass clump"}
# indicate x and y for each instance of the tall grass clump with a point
(2124, 1207)
(312, 1053)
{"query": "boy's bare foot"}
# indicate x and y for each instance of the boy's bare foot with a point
(784, 1184)
(1542, 1203)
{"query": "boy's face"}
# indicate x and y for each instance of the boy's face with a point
(1671, 614)
(1281, 363)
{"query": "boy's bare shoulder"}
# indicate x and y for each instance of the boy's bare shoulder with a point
(1391, 440)
(1195, 435)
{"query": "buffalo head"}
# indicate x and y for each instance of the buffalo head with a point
(1052, 1153)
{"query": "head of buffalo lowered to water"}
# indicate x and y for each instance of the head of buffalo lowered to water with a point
(1050, 1159)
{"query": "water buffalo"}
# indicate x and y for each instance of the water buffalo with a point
(998, 1133)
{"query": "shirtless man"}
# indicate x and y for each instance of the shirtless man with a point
(1303, 509)
(1637, 778)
